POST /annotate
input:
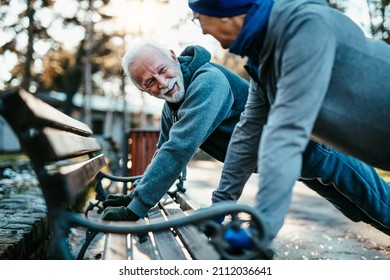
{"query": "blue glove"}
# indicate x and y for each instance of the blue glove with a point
(238, 239)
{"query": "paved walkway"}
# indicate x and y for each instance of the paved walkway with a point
(313, 229)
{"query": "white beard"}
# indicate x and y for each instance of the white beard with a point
(178, 95)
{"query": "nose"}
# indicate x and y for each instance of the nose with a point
(162, 82)
(204, 30)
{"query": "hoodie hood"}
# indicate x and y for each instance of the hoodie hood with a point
(191, 59)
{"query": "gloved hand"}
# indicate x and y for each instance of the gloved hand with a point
(119, 214)
(116, 200)
(238, 239)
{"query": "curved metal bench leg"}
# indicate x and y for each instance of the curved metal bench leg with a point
(89, 236)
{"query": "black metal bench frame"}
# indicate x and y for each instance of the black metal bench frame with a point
(47, 136)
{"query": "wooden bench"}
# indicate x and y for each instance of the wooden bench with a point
(180, 243)
(66, 159)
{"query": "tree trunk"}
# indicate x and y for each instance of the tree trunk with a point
(30, 50)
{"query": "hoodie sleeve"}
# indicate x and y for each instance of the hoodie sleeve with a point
(205, 106)
(306, 67)
(166, 124)
(242, 153)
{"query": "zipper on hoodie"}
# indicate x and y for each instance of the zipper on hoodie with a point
(175, 116)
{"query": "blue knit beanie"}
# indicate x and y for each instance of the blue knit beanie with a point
(220, 8)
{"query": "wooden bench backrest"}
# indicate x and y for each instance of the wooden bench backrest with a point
(49, 136)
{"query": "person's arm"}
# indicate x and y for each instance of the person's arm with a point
(241, 157)
(306, 67)
(166, 124)
(205, 106)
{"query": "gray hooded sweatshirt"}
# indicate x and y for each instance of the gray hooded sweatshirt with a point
(320, 78)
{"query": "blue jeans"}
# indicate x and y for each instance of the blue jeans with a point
(352, 186)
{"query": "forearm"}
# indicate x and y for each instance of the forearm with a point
(240, 162)
(242, 153)
(159, 177)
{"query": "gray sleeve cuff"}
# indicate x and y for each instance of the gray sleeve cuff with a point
(138, 207)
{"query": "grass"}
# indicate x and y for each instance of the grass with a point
(12, 156)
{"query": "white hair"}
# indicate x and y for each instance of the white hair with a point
(137, 48)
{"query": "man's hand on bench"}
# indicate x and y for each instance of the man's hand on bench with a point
(116, 200)
(119, 214)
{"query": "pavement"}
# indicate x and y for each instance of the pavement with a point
(313, 228)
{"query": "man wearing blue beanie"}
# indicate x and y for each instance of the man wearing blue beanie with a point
(220, 8)
(314, 75)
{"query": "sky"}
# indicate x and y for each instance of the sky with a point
(358, 11)
(155, 18)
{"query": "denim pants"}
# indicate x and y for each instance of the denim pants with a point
(352, 186)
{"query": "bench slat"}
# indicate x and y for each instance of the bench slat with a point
(115, 247)
(54, 145)
(66, 144)
(142, 249)
(167, 245)
(80, 174)
(185, 202)
(76, 177)
(25, 110)
(128, 246)
(195, 242)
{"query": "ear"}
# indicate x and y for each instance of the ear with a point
(174, 56)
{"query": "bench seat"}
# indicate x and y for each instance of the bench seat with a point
(181, 243)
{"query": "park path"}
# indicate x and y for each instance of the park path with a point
(313, 228)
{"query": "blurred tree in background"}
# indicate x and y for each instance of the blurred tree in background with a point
(380, 19)
(379, 15)
(22, 30)
(42, 62)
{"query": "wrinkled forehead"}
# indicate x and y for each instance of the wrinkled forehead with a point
(149, 59)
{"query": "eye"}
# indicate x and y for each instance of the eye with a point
(162, 70)
(148, 84)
